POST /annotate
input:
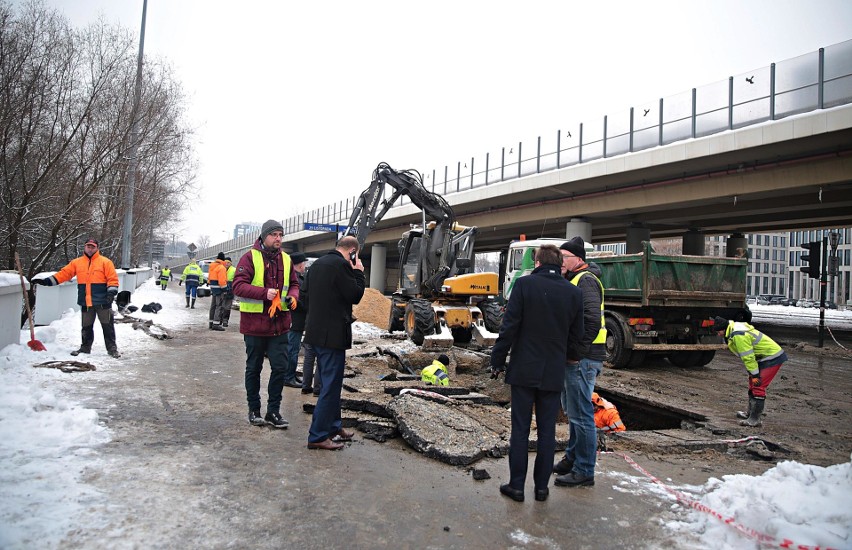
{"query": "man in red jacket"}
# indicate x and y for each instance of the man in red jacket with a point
(268, 288)
(97, 286)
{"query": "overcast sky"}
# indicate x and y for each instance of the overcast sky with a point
(296, 104)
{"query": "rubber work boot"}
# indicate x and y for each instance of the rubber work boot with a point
(187, 301)
(755, 410)
(77, 352)
(193, 304)
(745, 414)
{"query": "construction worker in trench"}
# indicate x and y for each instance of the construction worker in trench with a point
(607, 420)
(437, 373)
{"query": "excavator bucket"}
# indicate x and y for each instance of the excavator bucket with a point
(438, 341)
(482, 335)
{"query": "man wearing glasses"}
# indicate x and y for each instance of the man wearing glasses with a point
(97, 286)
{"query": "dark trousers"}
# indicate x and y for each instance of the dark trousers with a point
(295, 342)
(326, 419)
(274, 347)
(217, 303)
(308, 369)
(104, 315)
(546, 408)
(227, 302)
(191, 289)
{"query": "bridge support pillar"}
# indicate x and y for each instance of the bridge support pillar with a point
(693, 242)
(578, 227)
(378, 271)
(736, 246)
(637, 233)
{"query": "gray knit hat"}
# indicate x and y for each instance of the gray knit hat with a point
(268, 227)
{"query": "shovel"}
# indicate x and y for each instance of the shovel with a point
(33, 344)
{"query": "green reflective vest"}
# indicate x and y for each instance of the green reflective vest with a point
(601, 337)
(435, 374)
(249, 305)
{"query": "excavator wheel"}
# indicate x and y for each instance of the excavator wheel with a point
(419, 320)
(396, 320)
(493, 314)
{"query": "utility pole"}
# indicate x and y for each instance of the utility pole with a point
(126, 234)
(823, 281)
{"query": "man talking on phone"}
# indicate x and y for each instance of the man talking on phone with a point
(335, 283)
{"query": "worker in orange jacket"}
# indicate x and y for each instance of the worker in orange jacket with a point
(217, 278)
(607, 418)
(97, 286)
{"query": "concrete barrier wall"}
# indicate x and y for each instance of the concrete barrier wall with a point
(11, 302)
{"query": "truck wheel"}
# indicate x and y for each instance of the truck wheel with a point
(493, 314)
(616, 354)
(706, 357)
(684, 359)
(419, 320)
(396, 320)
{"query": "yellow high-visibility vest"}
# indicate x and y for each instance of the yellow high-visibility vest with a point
(601, 337)
(250, 305)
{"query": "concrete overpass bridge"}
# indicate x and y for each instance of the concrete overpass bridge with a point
(765, 151)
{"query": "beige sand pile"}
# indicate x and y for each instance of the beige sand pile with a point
(374, 308)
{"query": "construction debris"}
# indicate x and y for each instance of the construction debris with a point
(66, 366)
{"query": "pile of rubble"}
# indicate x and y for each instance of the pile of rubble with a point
(458, 424)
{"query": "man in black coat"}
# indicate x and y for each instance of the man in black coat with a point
(543, 319)
(335, 283)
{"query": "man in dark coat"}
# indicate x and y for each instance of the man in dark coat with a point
(543, 319)
(335, 283)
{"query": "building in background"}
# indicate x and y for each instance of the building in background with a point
(246, 228)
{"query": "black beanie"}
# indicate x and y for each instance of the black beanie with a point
(719, 323)
(268, 227)
(575, 246)
(220, 256)
(444, 360)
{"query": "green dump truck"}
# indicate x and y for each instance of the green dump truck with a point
(660, 303)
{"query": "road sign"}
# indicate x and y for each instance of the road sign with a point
(331, 227)
(191, 247)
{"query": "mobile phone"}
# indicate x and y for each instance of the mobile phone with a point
(352, 258)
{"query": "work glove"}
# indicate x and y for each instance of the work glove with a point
(291, 302)
(495, 371)
(180, 282)
(754, 380)
(276, 305)
(111, 296)
(43, 282)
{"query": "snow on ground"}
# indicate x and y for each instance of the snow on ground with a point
(47, 441)
(808, 317)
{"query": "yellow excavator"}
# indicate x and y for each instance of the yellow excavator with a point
(440, 299)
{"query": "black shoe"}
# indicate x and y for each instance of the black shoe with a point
(298, 379)
(515, 494)
(255, 419)
(114, 353)
(563, 467)
(541, 494)
(218, 328)
(316, 392)
(292, 384)
(307, 390)
(575, 480)
(225, 324)
(77, 352)
(274, 419)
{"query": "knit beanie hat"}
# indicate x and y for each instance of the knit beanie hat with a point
(444, 360)
(268, 227)
(220, 256)
(719, 323)
(576, 246)
(297, 258)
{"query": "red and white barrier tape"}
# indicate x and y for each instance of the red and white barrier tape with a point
(759, 536)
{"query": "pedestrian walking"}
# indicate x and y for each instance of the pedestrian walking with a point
(97, 286)
(762, 358)
(192, 277)
(577, 467)
(264, 274)
(165, 277)
(335, 283)
(543, 319)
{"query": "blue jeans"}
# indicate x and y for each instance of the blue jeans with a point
(275, 347)
(294, 341)
(191, 289)
(326, 420)
(577, 404)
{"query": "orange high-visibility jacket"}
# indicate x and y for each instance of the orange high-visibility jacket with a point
(95, 276)
(217, 277)
(607, 418)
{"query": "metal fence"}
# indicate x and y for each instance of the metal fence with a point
(817, 80)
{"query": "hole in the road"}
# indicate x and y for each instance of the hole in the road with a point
(639, 414)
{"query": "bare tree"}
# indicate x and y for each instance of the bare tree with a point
(203, 242)
(65, 112)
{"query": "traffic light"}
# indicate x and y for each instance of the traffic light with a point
(813, 258)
